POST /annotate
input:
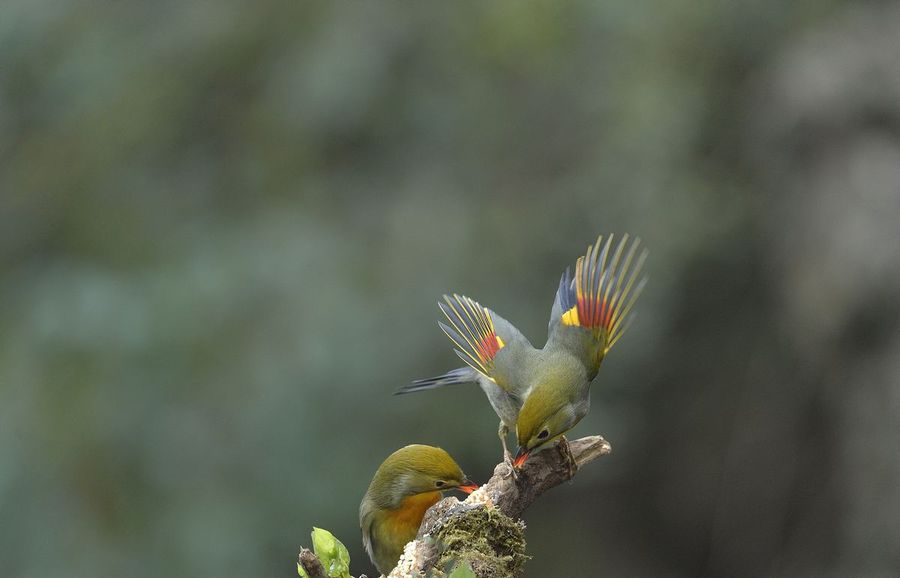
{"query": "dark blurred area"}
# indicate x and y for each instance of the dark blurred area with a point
(224, 227)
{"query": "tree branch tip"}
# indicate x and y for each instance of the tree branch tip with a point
(587, 449)
(311, 564)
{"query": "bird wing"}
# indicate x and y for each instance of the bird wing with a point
(478, 333)
(592, 310)
(366, 523)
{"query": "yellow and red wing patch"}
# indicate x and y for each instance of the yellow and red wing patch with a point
(472, 330)
(603, 291)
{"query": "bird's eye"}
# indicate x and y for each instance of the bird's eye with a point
(439, 484)
(543, 435)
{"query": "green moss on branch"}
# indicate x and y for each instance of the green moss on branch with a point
(493, 543)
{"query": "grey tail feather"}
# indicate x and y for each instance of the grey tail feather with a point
(460, 375)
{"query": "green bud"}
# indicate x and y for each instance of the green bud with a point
(333, 555)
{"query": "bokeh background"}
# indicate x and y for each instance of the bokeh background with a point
(224, 227)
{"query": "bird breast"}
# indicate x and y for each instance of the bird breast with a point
(408, 516)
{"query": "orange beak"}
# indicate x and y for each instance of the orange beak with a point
(521, 456)
(468, 486)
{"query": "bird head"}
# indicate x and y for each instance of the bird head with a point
(546, 415)
(417, 469)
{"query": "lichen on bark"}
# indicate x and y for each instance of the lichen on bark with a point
(493, 543)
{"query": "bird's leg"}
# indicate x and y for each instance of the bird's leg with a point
(502, 431)
(571, 464)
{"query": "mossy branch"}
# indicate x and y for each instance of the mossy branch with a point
(484, 530)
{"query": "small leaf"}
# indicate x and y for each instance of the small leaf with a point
(333, 555)
(462, 570)
(301, 571)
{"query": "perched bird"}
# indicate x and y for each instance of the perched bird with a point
(407, 483)
(542, 393)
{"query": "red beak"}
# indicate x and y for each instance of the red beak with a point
(467, 486)
(521, 456)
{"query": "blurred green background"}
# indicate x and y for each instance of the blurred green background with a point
(224, 227)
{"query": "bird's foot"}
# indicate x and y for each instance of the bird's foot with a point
(571, 464)
(502, 431)
(510, 468)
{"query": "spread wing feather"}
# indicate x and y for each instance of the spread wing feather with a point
(605, 287)
(471, 329)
